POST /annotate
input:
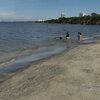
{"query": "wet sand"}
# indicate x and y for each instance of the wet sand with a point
(72, 75)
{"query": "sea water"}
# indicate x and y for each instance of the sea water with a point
(24, 42)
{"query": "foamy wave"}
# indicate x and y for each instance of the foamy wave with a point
(7, 62)
(92, 37)
(87, 38)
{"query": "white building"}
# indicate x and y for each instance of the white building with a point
(82, 14)
(62, 14)
(40, 20)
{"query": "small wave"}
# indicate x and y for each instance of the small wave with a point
(87, 38)
(97, 35)
(7, 62)
(92, 38)
(16, 64)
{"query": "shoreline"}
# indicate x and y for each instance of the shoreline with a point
(24, 58)
(73, 74)
(22, 63)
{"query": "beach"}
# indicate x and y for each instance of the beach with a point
(71, 75)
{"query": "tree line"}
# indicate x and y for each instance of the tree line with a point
(93, 19)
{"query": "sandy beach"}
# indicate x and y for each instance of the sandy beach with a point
(71, 75)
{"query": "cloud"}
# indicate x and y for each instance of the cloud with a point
(12, 16)
(7, 14)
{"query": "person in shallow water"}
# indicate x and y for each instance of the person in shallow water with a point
(67, 36)
(80, 37)
(68, 40)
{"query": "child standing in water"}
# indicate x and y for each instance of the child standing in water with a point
(67, 36)
(80, 37)
(68, 39)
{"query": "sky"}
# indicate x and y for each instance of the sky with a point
(32, 10)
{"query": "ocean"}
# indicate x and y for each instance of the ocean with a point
(24, 42)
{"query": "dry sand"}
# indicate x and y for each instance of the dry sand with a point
(72, 75)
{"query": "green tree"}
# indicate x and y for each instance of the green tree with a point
(94, 14)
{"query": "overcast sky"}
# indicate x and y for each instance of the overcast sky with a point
(12, 10)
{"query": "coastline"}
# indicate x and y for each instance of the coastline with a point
(72, 75)
(25, 59)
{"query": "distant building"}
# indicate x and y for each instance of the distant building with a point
(82, 14)
(40, 20)
(62, 14)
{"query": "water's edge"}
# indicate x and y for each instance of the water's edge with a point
(25, 61)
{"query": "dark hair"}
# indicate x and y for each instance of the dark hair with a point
(79, 33)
